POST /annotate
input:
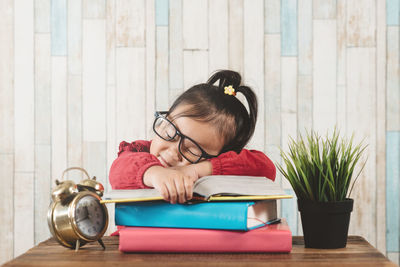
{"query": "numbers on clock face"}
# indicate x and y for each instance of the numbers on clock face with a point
(89, 215)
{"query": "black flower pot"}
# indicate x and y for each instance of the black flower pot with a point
(325, 224)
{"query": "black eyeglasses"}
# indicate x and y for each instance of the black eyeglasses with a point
(188, 148)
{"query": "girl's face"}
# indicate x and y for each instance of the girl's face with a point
(203, 133)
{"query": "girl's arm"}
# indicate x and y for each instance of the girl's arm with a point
(133, 160)
(247, 162)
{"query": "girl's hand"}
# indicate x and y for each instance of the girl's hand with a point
(173, 185)
(196, 171)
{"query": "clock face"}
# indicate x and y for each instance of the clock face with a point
(90, 216)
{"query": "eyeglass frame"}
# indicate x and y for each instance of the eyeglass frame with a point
(162, 114)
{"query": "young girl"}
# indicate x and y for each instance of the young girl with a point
(203, 133)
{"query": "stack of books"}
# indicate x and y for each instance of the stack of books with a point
(226, 214)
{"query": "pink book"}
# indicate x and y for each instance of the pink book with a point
(269, 238)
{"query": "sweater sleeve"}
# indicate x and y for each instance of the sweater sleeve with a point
(133, 160)
(247, 162)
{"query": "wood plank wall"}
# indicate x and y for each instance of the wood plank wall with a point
(79, 76)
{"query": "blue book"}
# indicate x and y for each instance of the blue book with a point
(206, 215)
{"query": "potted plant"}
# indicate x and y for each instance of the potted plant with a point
(320, 172)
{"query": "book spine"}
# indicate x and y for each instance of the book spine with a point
(144, 239)
(218, 215)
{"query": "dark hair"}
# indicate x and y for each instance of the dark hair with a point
(209, 103)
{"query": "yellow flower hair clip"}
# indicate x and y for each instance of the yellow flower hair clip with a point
(229, 90)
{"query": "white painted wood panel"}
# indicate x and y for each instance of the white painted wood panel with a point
(361, 22)
(42, 89)
(24, 230)
(110, 40)
(58, 116)
(304, 104)
(324, 75)
(305, 37)
(272, 12)
(94, 9)
(42, 191)
(218, 35)
(74, 33)
(195, 68)
(381, 126)
(24, 86)
(42, 16)
(7, 207)
(324, 9)
(74, 121)
(253, 22)
(6, 77)
(361, 120)
(393, 79)
(341, 42)
(288, 104)
(195, 28)
(130, 23)
(93, 81)
(235, 36)
(130, 94)
(162, 72)
(272, 85)
(175, 45)
(94, 160)
(150, 66)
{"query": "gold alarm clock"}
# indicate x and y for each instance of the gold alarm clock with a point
(76, 216)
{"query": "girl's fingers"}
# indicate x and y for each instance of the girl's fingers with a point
(188, 182)
(163, 191)
(180, 188)
(171, 191)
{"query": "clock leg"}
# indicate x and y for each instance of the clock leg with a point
(77, 245)
(102, 244)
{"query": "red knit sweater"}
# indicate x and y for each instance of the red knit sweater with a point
(134, 159)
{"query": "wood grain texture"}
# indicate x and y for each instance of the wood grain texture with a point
(324, 9)
(175, 45)
(393, 79)
(253, 22)
(218, 35)
(195, 68)
(150, 66)
(24, 89)
(162, 72)
(289, 27)
(74, 37)
(130, 94)
(93, 9)
(58, 116)
(236, 35)
(361, 120)
(272, 12)
(381, 62)
(7, 207)
(42, 16)
(195, 28)
(393, 192)
(58, 22)
(324, 75)
(305, 37)
(24, 231)
(361, 23)
(130, 23)
(93, 81)
(357, 253)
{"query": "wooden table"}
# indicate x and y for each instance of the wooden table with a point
(49, 253)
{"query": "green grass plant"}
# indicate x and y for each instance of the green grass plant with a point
(321, 169)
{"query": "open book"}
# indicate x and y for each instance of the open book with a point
(210, 188)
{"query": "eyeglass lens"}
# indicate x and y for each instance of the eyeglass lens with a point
(167, 131)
